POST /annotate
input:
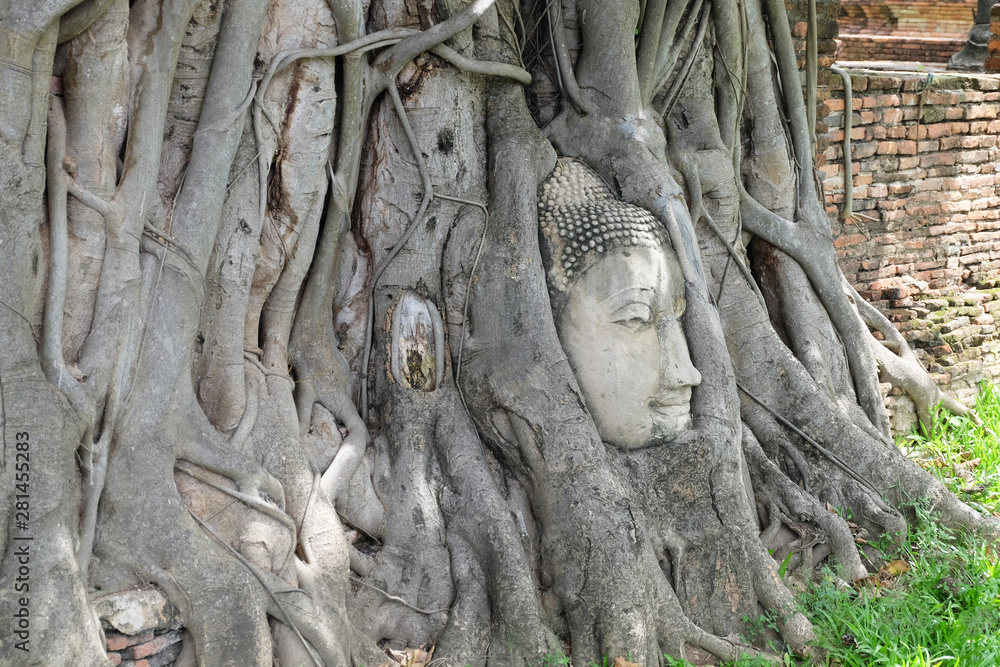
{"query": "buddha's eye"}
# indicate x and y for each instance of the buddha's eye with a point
(633, 315)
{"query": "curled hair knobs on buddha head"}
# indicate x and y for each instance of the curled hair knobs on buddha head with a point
(580, 220)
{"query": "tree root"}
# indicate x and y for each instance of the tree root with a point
(564, 65)
(770, 482)
(899, 366)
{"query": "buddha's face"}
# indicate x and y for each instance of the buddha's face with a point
(621, 330)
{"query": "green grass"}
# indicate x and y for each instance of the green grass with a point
(964, 456)
(945, 611)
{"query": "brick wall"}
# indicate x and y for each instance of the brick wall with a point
(826, 29)
(926, 31)
(931, 50)
(925, 175)
(146, 649)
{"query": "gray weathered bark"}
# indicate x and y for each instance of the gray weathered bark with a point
(270, 282)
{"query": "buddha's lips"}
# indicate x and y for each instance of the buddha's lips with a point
(672, 408)
(671, 403)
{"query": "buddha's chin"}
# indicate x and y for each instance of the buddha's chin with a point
(668, 424)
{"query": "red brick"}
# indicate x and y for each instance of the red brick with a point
(956, 206)
(861, 150)
(875, 132)
(898, 294)
(941, 97)
(117, 642)
(937, 159)
(939, 130)
(981, 111)
(158, 643)
(831, 170)
(977, 181)
(853, 239)
(115, 658)
(892, 116)
(974, 157)
(885, 283)
(907, 148)
(878, 190)
(928, 184)
(948, 143)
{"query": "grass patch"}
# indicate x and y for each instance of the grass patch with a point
(964, 456)
(945, 611)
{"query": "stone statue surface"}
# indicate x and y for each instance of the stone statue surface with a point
(618, 297)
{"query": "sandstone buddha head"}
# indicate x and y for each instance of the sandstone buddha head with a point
(617, 296)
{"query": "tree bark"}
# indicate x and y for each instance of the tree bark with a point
(278, 336)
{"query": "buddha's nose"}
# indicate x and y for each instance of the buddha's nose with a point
(676, 368)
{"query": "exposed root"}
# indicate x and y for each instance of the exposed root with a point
(674, 92)
(564, 65)
(698, 213)
(263, 582)
(899, 366)
(396, 598)
(468, 289)
(833, 458)
(769, 480)
(51, 352)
